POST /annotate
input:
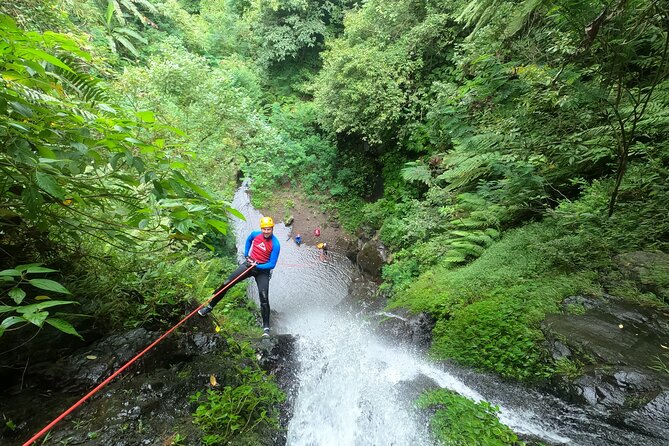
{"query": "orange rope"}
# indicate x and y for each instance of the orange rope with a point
(126, 365)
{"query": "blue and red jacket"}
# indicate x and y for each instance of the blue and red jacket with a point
(263, 250)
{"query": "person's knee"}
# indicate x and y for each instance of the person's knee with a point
(264, 297)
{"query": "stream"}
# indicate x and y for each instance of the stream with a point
(347, 383)
(355, 388)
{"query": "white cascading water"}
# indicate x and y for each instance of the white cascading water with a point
(349, 390)
(352, 385)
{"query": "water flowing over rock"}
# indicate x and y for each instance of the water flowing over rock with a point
(406, 327)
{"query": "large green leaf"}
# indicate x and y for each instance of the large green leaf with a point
(36, 318)
(63, 326)
(39, 269)
(11, 320)
(49, 184)
(26, 267)
(47, 57)
(17, 295)
(50, 285)
(10, 272)
(127, 44)
(6, 308)
(32, 308)
(220, 226)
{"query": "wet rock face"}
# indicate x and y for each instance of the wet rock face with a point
(277, 356)
(651, 417)
(149, 403)
(618, 344)
(89, 365)
(371, 257)
(405, 327)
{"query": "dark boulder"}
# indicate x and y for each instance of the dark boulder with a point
(372, 257)
(616, 343)
(405, 327)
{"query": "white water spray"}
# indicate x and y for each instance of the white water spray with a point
(352, 385)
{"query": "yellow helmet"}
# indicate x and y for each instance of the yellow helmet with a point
(266, 222)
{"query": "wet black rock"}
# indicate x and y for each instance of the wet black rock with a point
(277, 356)
(149, 403)
(371, 257)
(616, 344)
(406, 327)
(91, 364)
(652, 417)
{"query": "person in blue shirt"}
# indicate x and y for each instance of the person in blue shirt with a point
(298, 239)
(261, 253)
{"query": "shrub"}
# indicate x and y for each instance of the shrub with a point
(458, 421)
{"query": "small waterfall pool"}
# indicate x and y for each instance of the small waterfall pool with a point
(356, 389)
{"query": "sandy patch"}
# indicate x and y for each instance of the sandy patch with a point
(307, 217)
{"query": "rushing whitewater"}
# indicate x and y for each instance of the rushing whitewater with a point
(350, 382)
(356, 389)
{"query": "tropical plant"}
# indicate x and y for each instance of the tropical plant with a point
(21, 303)
(79, 165)
(237, 409)
(116, 24)
(458, 421)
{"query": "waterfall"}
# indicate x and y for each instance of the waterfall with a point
(356, 389)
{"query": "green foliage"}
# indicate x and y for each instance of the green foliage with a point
(82, 166)
(21, 303)
(292, 29)
(568, 368)
(211, 29)
(41, 15)
(361, 75)
(458, 421)
(118, 20)
(232, 414)
(661, 363)
(489, 311)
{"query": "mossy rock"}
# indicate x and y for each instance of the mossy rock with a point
(649, 270)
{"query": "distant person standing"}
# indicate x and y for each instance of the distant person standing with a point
(317, 232)
(298, 239)
(261, 253)
(324, 250)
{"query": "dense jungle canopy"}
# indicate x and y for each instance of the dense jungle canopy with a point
(505, 152)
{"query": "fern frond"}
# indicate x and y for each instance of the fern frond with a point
(87, 87)
(464, 169)
(469, 223)
(474, 10)
(454, 256)
(417, 171)
(521, 16)
(468, 248)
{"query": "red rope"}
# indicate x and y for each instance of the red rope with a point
(126, 365)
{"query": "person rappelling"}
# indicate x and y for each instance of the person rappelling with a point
(261, 254)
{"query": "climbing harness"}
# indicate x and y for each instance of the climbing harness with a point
(127, 364)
